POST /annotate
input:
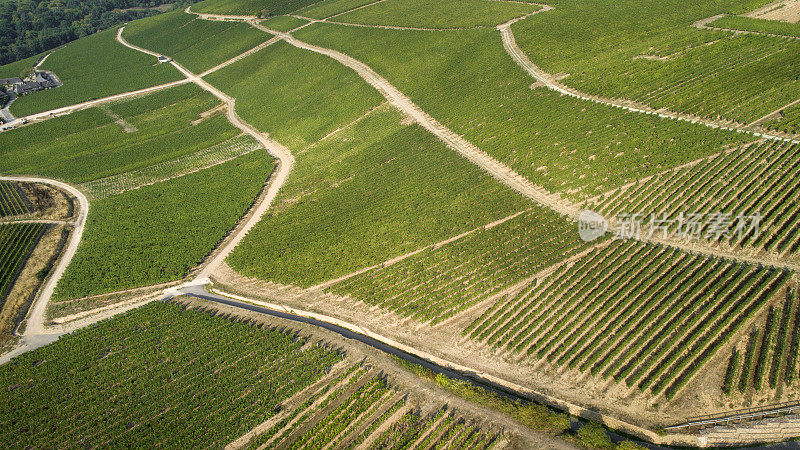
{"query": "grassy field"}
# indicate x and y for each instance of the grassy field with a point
(757, 25)
(92, 144)
(467, 81)
(94, 67)
(648, 51)
(675, 308)
(440, 282)
(197, 44)
(263, 8)
(16, 243)
(438, 14)
(752, 180)
(295, 95)
(376, 190)
(283, 23)
(158, 376)
(159, 232)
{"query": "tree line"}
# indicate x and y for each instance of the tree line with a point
(29, 27)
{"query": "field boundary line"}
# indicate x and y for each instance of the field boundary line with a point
(705, 24)
(391, 261)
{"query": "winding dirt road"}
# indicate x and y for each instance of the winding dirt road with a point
(281, 153)
(35, 324)
(496, 169)
(549, 81)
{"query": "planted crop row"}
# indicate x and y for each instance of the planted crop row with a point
(788, 120)
(627, 300)
(757, 25)
(93, 67)
(197, 44)
(88, 145)
(13, 201)
(746, 182)
(211, 156)
(442, 430)
(159, 232)
(440, 282)
(375, 191)
(161, 375)
(770, 351)
(16, 243)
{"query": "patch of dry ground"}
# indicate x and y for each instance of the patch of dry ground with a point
(783, 11)
(30, 279)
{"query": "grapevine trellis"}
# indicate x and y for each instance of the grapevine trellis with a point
(217, 154)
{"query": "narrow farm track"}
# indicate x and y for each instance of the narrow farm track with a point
(705, 24)
(552, 83)
(44, 115)
(36, 317)
(498, 170)
(281, 153)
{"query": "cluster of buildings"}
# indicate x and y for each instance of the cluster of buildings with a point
(21, 86)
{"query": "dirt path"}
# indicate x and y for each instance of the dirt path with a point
(281, 154)
(498, 170)
(552, 83)
(35, 324)
(704, 24)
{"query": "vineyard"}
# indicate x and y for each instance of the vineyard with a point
(787, 122)
(754, 179)
(757, 25)
(16, 244)
(295, 95)
(442, 281)
(283, 23)
(217, 154)
(767, 357)
(88, 145)
(161, 375)
(437, 14)
(708, 73)
(93, 67)
(375, 190)
(567, 145)
(327, 8)
(197, 44)
(649, 316)
(13, 201)
(263, 8)
(159, 232)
